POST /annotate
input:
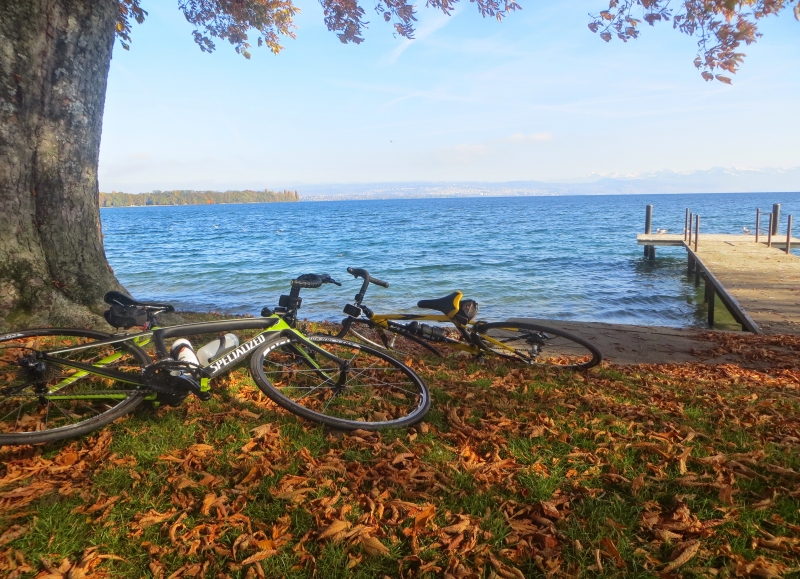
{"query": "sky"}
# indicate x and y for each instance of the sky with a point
(534, 97)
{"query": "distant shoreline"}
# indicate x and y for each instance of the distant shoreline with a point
(192, 197)
(194, 204)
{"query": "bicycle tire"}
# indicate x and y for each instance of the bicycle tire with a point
(282, 370)
(389, 340)
(33, 411)
(537, 345)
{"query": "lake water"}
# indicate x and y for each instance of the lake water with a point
(547, 257)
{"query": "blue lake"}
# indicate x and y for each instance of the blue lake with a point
(548, 257)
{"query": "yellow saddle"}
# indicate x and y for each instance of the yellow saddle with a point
(461, 311)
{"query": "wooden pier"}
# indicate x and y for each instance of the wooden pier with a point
(758, 281)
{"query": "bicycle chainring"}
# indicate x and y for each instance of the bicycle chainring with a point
(165, 377)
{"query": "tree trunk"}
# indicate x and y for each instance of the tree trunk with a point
(54, 60)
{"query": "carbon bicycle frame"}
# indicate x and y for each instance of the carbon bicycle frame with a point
(274, 329)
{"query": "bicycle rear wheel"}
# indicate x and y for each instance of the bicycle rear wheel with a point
(43, 401)
(538, 345)
(376, 391)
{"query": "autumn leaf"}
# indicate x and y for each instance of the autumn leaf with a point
(504, 570)
(459, 527)
(689, 551)
(201, 450)
(260, 556)
(153, 517)
(334, 530)
(422, 518)
(12, 533)
(610, 548)
(373, 546)
(67, 458)
(726, 495)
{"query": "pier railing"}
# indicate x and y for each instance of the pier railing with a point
(773, 227)
(770, 228)
(687, 228)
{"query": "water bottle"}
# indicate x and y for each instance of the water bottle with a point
(433, 333)
(182, 351)
(216, 348)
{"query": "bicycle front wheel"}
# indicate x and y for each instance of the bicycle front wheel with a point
(538, 345)
(371, 391)
(42, 400)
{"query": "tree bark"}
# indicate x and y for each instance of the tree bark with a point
(54, 61)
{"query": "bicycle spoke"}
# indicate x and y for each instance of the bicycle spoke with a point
(538, 345)
(377, 389)
(60, 401)
(310, 392)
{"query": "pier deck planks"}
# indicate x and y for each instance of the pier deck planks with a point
(765, 281)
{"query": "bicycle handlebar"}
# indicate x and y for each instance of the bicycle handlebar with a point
(368, 279)
(312, 280)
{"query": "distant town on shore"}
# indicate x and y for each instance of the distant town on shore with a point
(191, 197)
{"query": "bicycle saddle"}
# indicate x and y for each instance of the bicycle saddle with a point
(116, 298)
(448, 305)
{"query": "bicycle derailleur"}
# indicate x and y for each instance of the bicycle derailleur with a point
(174, 381)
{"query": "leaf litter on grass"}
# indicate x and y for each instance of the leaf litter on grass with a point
(670, 470)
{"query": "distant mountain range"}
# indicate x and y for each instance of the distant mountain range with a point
(717, 180)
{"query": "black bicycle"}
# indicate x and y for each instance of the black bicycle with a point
(58, 383)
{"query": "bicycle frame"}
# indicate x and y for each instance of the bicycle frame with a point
(470, 342)
(274, 328)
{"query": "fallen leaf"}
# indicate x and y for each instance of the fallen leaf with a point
(334, 529)
(688, 552)
(373, 546)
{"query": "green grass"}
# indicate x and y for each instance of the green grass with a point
(526, 462)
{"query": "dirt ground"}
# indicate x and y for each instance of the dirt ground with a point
(624, 344)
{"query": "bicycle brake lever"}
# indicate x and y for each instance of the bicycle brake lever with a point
(328, 279)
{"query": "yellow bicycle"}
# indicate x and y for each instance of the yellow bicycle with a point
(518, 341)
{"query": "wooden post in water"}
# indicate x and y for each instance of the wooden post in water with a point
(769, 233)
(689, 243)
(649, 250)
(789, 235)
(776, 217)
(711, 295)
(696, 235)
